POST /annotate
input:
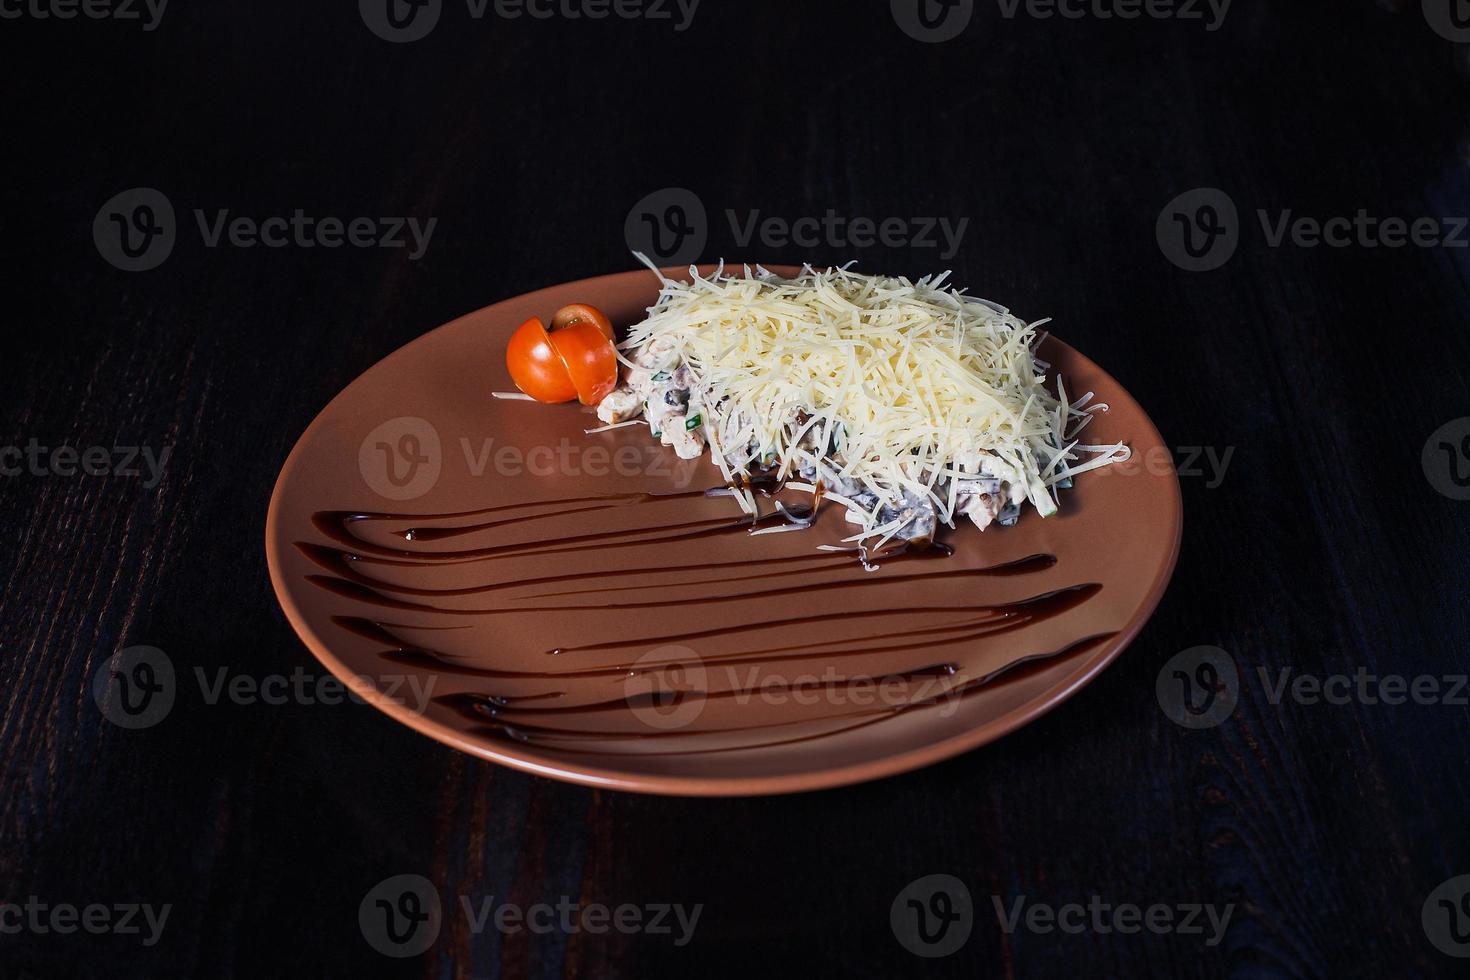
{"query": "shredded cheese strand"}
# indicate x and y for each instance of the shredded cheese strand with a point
(899, 379)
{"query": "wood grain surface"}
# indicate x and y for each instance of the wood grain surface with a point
(1315, 375)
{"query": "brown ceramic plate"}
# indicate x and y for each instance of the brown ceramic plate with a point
(574, 606)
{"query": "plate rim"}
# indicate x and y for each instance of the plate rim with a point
(690, 786)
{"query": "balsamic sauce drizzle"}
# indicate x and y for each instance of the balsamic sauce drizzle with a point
(495, 713)
(532, 718)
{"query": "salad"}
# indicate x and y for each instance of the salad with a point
(907, 402)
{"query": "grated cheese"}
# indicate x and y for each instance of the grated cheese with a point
(894, 385)
(614, 425)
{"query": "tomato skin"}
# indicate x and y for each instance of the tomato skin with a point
(578, 312)
(574, 359)
(590, 359)
(536, 367)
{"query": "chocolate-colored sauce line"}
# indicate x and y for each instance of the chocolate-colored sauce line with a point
(338, 524)
(555, 738)
(605, 499)
(934, 552)
(992, 620)
(987, 627)
(496, 706)
(606, 502)
(399, 652)
(440, 533)
(376, 593)
(334, 524)
(423, 656)
(1030, 563)
(531, 718)
(980, 621)
(343, 562)
(816, 650)
(1051, 603)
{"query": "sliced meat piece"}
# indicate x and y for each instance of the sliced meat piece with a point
(981, 508)
(620, 405)
(686, 442)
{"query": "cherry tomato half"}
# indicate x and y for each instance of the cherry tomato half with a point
(536, 367)
(590, 360)
(578, 312)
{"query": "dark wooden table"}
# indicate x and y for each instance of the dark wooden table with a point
(1314, 377)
